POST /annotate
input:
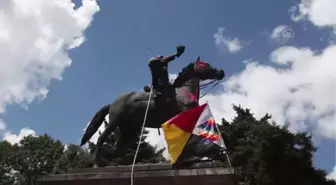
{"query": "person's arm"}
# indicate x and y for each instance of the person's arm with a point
(169, 58)
(179, 52)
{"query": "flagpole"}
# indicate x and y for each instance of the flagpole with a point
(226, 154)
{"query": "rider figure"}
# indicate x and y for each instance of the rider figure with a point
(159, 70)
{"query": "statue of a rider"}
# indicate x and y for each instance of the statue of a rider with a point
(159, 70)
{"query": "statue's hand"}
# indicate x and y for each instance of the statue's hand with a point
(180, 50)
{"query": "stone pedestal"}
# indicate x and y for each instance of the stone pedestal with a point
(146, 174)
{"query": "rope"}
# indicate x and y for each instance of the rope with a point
(142, 130)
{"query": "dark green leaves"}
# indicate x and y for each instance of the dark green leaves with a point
(267, 154)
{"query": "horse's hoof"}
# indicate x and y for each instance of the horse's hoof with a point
(101, 161)
(113, 164)
(98, 164)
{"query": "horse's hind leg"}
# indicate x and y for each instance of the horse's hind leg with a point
(114, 117)
(101, 139)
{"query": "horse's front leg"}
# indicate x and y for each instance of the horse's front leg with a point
(126, 148)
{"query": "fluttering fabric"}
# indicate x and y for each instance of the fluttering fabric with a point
(193, 135)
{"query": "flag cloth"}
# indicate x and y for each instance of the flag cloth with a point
(193, 135)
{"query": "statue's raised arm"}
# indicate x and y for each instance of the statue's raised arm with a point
(179, 51)
(159, 70)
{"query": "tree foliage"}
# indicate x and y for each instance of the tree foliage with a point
(267, 154)
(32, 157)
(73, 157)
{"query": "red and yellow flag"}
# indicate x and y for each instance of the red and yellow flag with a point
(197, 122)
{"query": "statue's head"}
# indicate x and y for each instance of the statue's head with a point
(199, 70)
(159, 57)
(204, 71)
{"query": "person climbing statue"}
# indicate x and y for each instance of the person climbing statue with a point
(159, 70)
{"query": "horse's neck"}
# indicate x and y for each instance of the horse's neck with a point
(190, 89)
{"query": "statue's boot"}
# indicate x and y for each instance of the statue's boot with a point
(162, 95)
(146, 88)
(155, 93)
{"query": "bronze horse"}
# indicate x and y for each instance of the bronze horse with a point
(128, 110)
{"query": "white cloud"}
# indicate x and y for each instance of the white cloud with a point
(172, 77)
(34, 38)
(2, 125)
(332, 175)
(282, 33)
(13, 138)
(320, 12)
(233, 45)
(303, 93)
(66, 147)
(157, 140)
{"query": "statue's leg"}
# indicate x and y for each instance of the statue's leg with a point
(122, 145)
(166, 93)
(114, 117)
(98, 160)
(127, 145)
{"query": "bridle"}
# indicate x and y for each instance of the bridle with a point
(203, 86)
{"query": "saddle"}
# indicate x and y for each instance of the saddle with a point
(158, 96)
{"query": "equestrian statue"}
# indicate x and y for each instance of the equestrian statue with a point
(167, 100)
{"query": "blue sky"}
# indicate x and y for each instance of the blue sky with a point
(124, 34)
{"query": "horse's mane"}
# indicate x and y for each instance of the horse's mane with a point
(182, 76)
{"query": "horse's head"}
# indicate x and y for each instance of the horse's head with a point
(199, 70)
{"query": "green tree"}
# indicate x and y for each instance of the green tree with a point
(23, 163)
(267, 154)
(73, 157)
(6, 172)
(34, 157)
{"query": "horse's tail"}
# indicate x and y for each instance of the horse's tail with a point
(95, 123)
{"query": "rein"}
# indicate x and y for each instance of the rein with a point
(203, 86)
(216, 82)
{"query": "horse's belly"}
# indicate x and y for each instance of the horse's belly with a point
(154, 118)
(156, 115)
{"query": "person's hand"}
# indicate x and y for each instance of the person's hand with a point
(179, 50)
